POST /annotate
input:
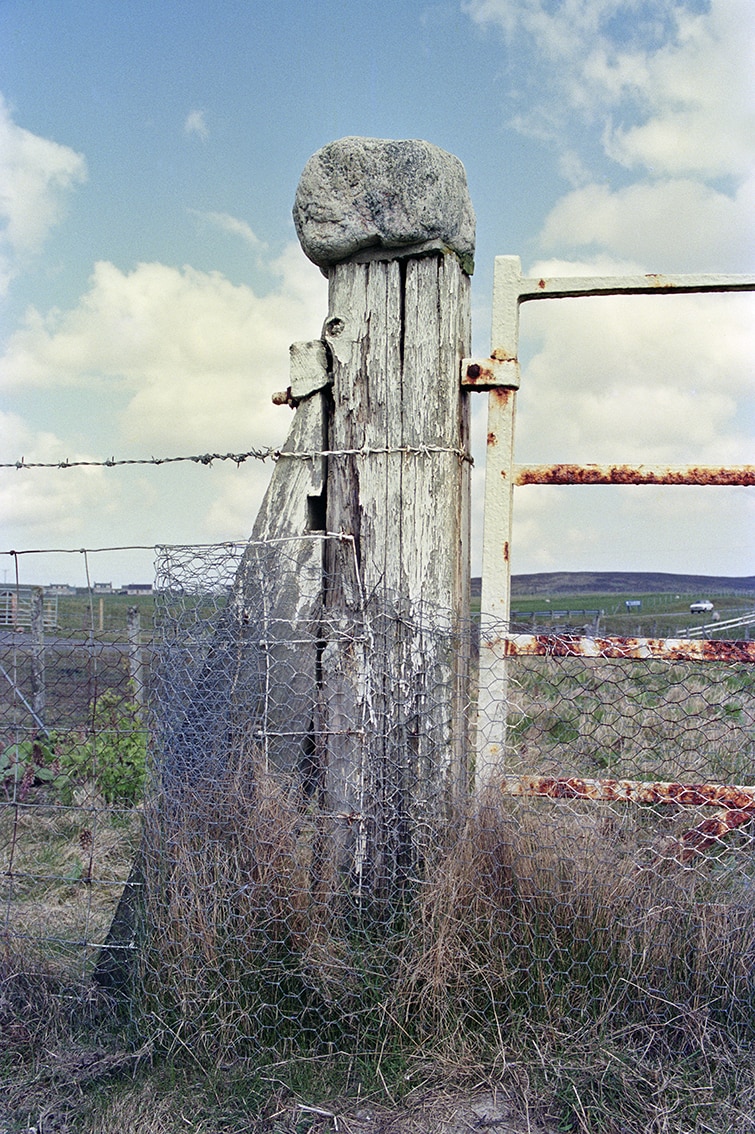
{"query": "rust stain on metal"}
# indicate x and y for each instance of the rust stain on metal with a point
(729, 796)
(541, 283)
(506, 551)
(283, 398)
(711, 831)
(736, 803)
(636, 474)
(480, 376)
(492, 439)
(500, 354)
(502, 394)
(667, 649)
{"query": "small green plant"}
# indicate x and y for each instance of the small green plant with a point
(26, 763)
(113, 756)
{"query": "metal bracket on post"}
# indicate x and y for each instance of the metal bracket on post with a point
(490, 374)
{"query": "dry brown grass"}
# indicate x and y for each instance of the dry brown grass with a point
(540, 957)
(62, 869)
(244, 919)
(548, 909)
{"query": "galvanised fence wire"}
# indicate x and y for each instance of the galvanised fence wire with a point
(247, 826)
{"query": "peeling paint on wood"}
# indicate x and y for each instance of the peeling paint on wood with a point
(401, 329)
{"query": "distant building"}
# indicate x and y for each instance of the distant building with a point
(136, 589)
(60, 589)
(102, 588)
(16, 607)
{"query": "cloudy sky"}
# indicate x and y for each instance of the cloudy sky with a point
(151, 282)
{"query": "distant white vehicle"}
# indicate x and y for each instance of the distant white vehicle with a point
(700, 607)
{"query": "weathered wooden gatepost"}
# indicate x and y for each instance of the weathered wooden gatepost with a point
(392, 226)
(346, 638)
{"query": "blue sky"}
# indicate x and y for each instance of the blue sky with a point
(151, 280)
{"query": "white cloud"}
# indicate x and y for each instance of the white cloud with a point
(34, 175)
(195, 356)
(237, 493)
(668, 225)
(162, 362)
(634, 528)
(698, 91)
(196, 123)
(641, 379)
(231, 225)
(667, 94)
(671, 85)
(40, 505)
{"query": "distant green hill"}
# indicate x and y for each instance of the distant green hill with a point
(621, 582)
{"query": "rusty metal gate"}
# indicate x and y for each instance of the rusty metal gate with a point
(500, 376)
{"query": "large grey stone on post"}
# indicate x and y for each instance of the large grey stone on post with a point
(362, 194)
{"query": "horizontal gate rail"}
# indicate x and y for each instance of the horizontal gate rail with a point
(728, 624)
(733, 475)
(632, 791)
(736, 804)
(572, 287)
(666, 649)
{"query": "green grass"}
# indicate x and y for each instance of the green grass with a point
(661, 615)
(77, 614)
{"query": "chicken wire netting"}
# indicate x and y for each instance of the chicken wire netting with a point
(317, 866)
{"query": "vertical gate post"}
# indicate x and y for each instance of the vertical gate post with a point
(392, 226)
(502, 377)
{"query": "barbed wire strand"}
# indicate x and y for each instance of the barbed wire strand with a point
(240, 458)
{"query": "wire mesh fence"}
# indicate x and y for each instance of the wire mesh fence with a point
(314, 866)
(74, 681)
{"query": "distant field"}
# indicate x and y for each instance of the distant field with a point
(568, 601)
(626, 582)
(658, 615)
(558, 598)
(106, 613)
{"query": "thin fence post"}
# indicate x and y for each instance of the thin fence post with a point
(135, 655)
(38, 652)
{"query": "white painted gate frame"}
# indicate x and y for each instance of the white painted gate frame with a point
(500, 376)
